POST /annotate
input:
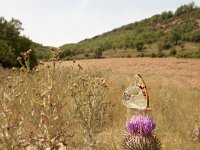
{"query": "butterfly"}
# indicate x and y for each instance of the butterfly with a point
(136, 95)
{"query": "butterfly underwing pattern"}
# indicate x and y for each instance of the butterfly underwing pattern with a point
(136, 95)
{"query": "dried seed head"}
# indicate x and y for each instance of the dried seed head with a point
(36, 70)
(9, 77)
(41, 63)
(19, 58)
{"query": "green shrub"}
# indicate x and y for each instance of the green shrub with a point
(160, 53)
(195, 35)
(153, 55)
(185, 8)
(128, 56)
(166, 15)
(165, 45)
(139, 45)
(7, 55)
(98, 53)
(141, 55)
(172, 52)
(175, 35)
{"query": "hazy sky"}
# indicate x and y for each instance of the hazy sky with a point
(56, 22)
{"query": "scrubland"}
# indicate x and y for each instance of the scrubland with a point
(78, 104)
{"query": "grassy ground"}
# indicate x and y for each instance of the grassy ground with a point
(174, 90)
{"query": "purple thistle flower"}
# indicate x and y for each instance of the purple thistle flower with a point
(140, 126)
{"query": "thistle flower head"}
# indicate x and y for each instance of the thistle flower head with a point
(139, 134)
(140, 125)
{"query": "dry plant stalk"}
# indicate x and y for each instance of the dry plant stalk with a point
(91, 105)
(32, 109)
(36, 111)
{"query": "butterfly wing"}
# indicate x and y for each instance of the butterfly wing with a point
(136, 96)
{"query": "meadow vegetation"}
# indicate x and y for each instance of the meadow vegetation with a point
(78, 106)
(47, 107)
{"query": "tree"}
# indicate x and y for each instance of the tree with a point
(7, 56)
(195, 35)
(185, 8)
(175, 35)
(12, 44)
(172, 52)
(98, 53)
(166, 15)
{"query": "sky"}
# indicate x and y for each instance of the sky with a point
(57, 22)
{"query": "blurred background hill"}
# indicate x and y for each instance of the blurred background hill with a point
(175, 34)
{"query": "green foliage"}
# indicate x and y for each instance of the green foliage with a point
(12, 44)
(66, 53)
(195, 35)
(141, 55)
(167, 28)
(185, 8)
(166, 15)
(166, 44)
(128, 56)
(98, 53)
(41, 52)
(153, 55)
(172, 52)
(175, 35)
(160, 53)
(189, 55)
(139, 45)
(7, 56)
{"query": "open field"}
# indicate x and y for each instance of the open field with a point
(171, 71)
(173, 85)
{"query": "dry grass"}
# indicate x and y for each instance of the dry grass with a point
(174, 89)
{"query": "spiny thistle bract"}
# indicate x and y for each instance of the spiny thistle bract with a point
(139, 134)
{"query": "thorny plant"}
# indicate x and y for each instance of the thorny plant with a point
(49, 109)
(31, 111)
(26, 59)
(36, 106)
(91, 105)
(140, 134)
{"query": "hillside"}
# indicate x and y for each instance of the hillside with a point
(42, 52)
(174, 34)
